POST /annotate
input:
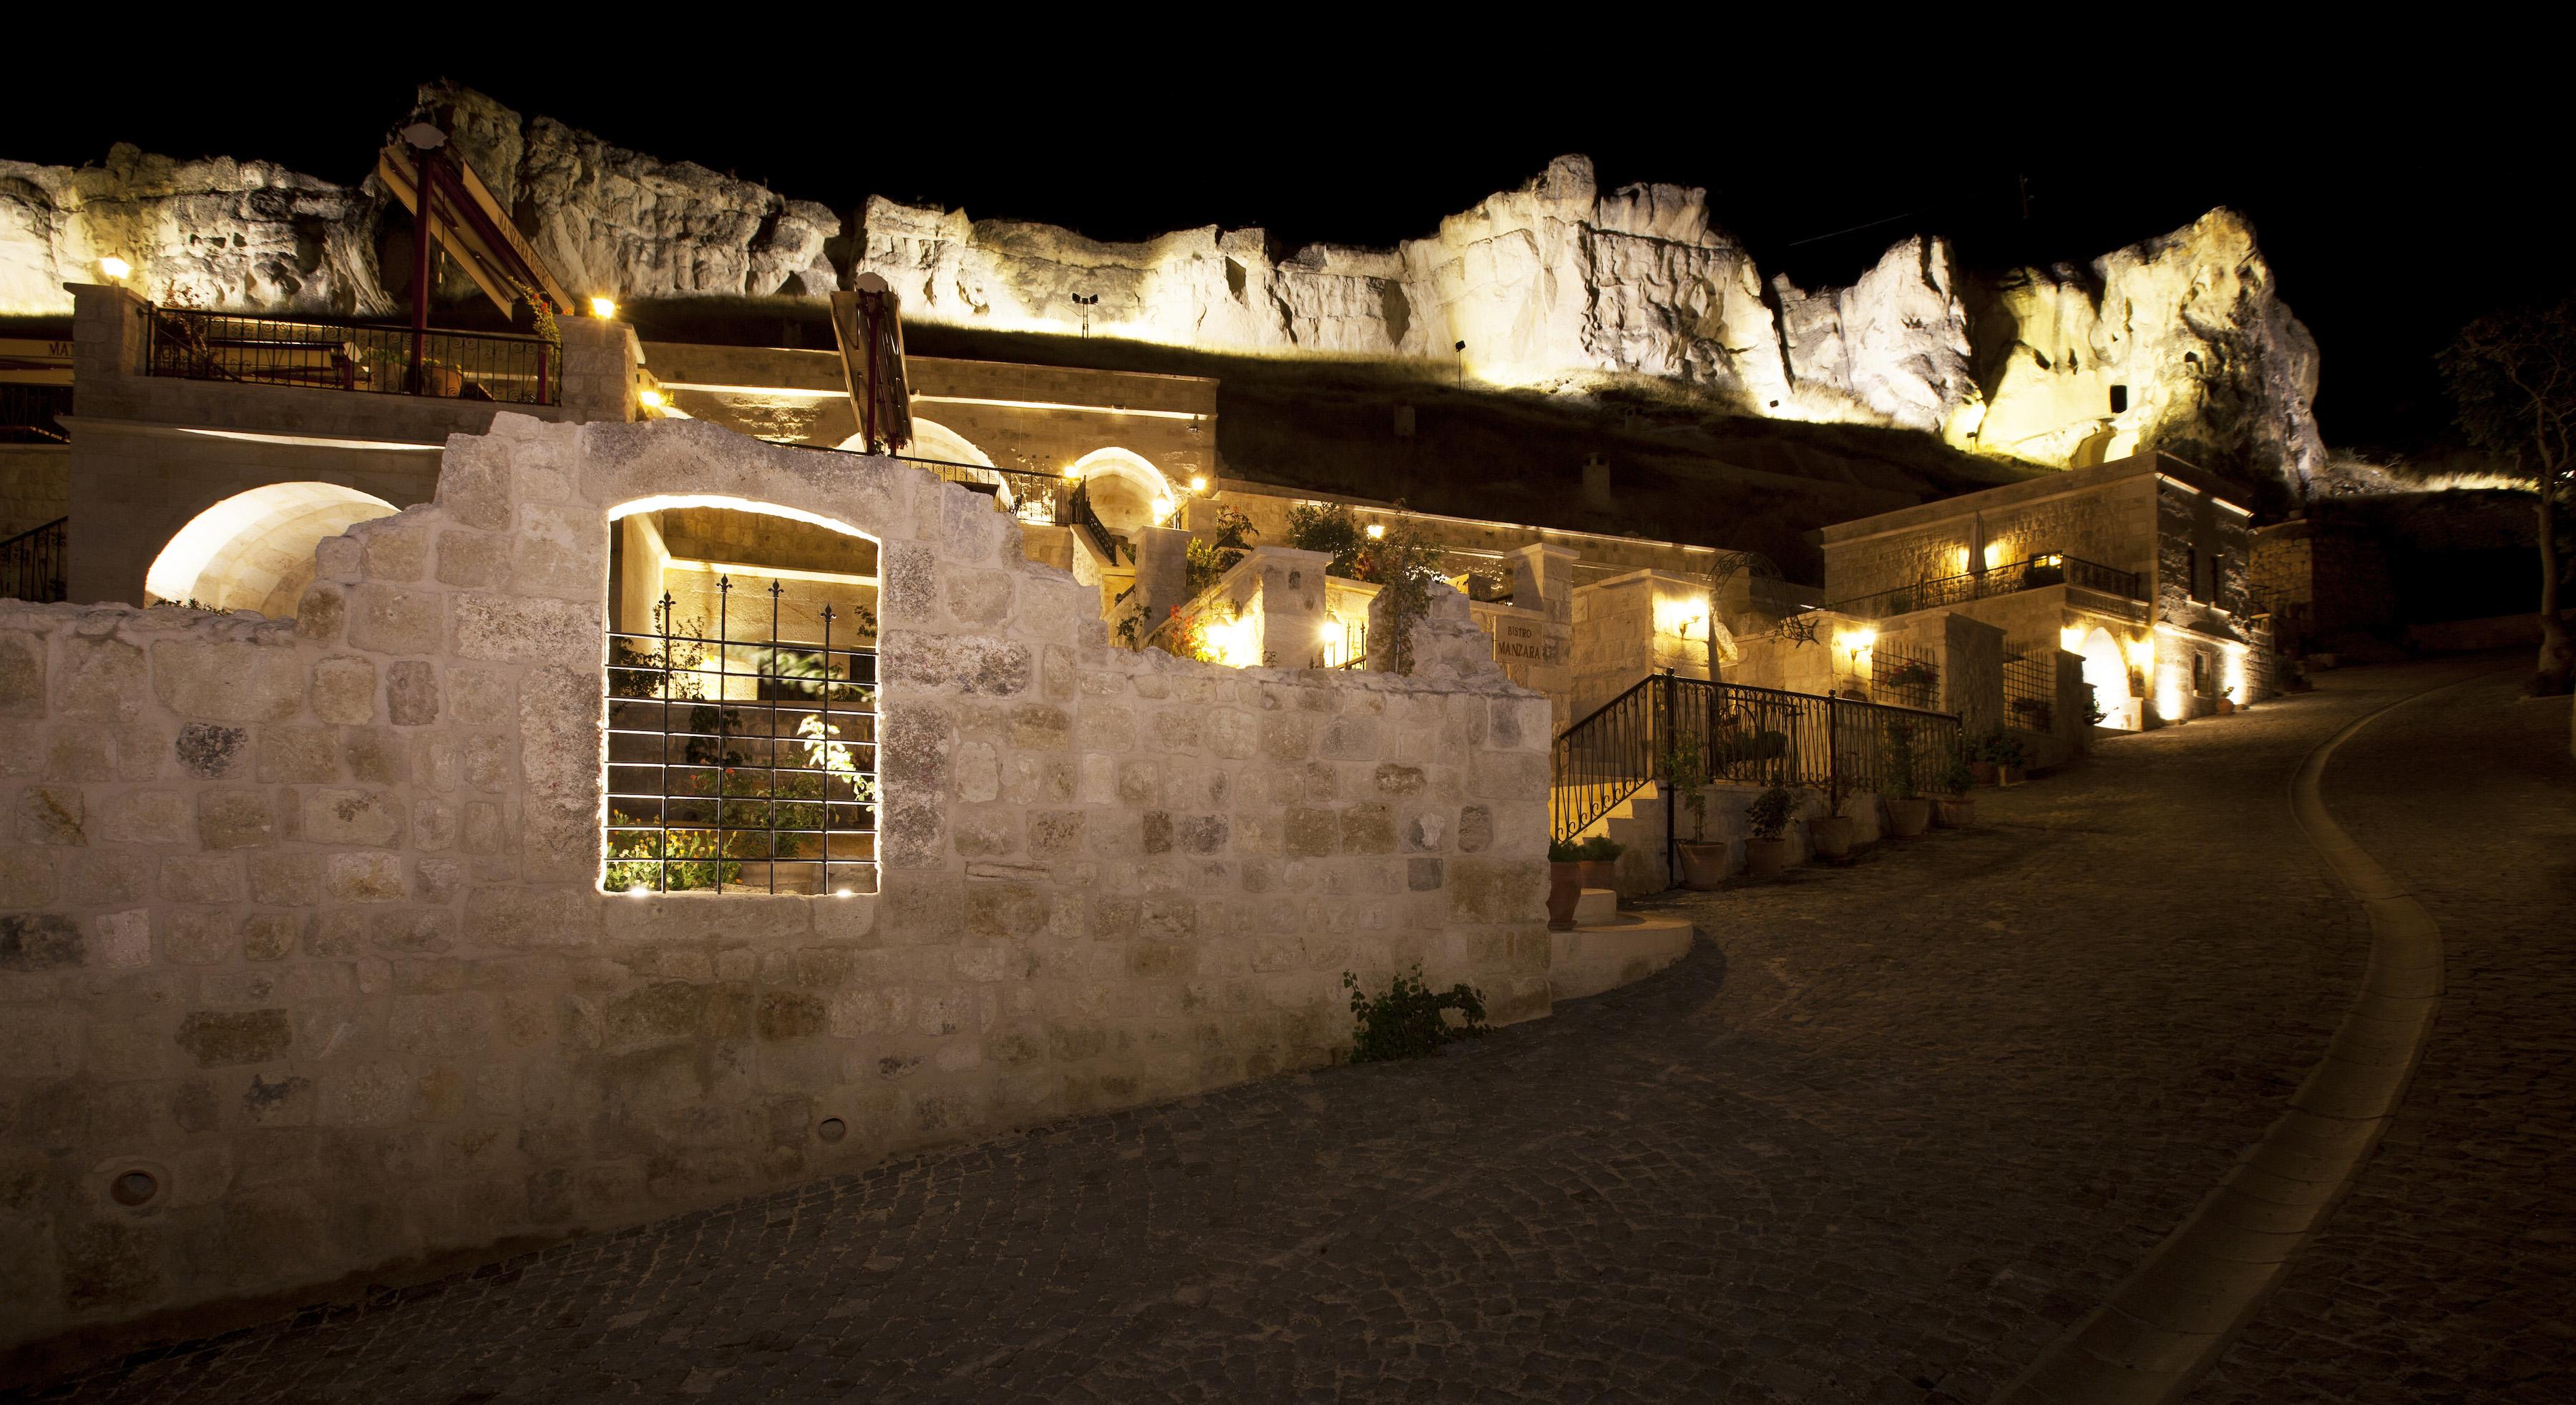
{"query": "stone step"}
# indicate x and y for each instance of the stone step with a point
(1597, 905)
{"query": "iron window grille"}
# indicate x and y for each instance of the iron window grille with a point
(742, 765)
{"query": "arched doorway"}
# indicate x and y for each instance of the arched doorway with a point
(930, 440)
(1126, 490)
(254, 550)
(2107, 670)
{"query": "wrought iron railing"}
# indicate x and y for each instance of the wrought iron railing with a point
(2030, 686)
(744, 764)
(1902, 675)
(2036, 573)
(1744, 736)
(1105, 540)
(224, 346)
(28, 412)
(31, 563)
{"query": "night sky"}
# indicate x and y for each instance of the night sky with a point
(2390, 214)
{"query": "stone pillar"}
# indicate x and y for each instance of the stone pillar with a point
(1971, 660)
(600, 355)
(110, 339)
(1543, 580)
(1162, 569)
(1284, 590)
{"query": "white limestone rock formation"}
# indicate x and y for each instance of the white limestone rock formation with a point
(220, 232)
(2178, 342)
(618, 223)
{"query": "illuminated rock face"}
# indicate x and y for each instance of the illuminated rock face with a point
(2177, 342)
(229, 234)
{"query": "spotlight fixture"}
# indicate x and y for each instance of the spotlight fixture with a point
(116, 268)
(603, 307)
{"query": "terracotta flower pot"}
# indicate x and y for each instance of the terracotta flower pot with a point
(1703, 865)
(1954, 811)
(2226, 706)
(1909, 817)
(1830, 836)
(1766, 858)
(1982, 772)
(1596, 873)
(1564, 889)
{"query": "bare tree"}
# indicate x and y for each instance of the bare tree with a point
(2513, 377)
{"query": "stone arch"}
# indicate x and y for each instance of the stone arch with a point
(2106, 668)
(254, 550)
(930, 440)
(1124, 487)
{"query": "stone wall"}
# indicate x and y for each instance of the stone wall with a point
(302, 920)
(35, 485)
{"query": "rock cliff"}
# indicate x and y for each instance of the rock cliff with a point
(2177, 342)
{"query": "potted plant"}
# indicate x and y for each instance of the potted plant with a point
(1952, 807)
(1766, 854)
(1830, 834)
(2003, 752)
(1600, 858)
(2226, 701)
(1981, 758)
(1908, 813)
(1564, 883)
(1686, 772)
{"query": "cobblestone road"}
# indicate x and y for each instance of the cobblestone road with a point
(1881, 1139)
(2450, 1271)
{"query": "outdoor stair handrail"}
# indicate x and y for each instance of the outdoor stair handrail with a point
(1747, 735)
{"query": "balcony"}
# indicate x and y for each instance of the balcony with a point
(2035, 573)
(498, 367)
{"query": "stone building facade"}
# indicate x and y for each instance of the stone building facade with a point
(306, 968)
(2143, 575)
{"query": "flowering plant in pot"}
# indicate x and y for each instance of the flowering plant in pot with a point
(1766, 854)
(1564, 883)
(1952, 807)
(1908, 813)
(1686, 771)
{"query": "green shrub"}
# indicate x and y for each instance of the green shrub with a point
(1601, 848)
(1770, 812)
(1328, 527)
(1900, 782)
(1955, 777)
(1564, 851)
(1411, 1019)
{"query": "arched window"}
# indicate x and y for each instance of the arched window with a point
(254, 550)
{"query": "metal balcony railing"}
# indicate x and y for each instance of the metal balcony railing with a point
(224, 346)
(2036, 573)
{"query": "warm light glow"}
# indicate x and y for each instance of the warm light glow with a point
(1377, 531)
(1858, 641)
(1994, 555)
(2169, 696)
(1685, 615)
(603, 307)
(1162, 510)
(1073, 473)
(1198, 483)
(663, 502)
(847, 893)
(1234, 641)
(2142, 652)
(649, 398)
(116, 268)
(2071, 639)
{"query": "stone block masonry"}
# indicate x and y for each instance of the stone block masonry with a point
(305, 968)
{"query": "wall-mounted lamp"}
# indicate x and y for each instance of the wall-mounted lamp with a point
(603, 307)
(117, 270)
(1198, 483)
(1377, 531)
